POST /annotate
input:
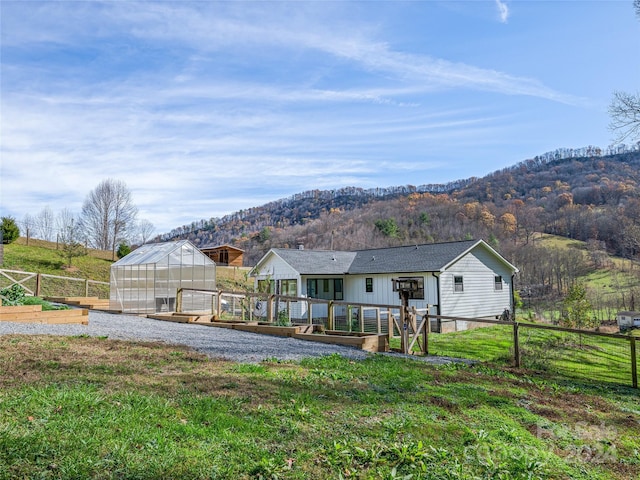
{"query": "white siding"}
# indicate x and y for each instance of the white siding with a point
(383, 293)
(480, 298)
(274, 268)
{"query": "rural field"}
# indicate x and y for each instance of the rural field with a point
(79, 407)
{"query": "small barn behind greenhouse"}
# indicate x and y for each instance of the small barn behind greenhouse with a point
(147, 280)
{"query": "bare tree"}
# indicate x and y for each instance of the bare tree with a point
(624, 111)
(64, 220)
(107, 213)
(28, 226)
(45, 223)
(70, 236)
(144, 231)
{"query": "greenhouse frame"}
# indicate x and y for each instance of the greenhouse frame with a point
(147, 280)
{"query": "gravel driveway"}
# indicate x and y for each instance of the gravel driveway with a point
(215, 342)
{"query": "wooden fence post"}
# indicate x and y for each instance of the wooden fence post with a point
(516, 344)
(179, 300)
(403, 329)
(425, 334)
(270, 308)
(390, 327)
(86, 287)
(361, 318)
(330, 315)
(634, 364)
(38, 284)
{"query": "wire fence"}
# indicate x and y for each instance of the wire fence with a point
(547, 349)
(588, 356)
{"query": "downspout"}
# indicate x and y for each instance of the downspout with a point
(438, 322)
(513, 300)
(437, 291)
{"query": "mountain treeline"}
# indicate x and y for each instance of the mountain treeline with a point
(593, 198)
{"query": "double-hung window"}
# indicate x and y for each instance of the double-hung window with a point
(368, 285)
(458, 284)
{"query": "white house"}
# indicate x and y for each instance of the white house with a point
(628, 319)
(462, 279)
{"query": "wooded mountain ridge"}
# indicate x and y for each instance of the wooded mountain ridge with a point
(586, 194)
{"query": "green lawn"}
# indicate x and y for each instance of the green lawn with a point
(96, 408)
(563, 355)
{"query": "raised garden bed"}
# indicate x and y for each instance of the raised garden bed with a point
(370, 342)
(35, 314)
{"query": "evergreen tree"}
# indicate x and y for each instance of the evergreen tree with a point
(9, 230)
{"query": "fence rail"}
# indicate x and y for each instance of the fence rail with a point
(43, 284)
(582, 354)
(587, 355)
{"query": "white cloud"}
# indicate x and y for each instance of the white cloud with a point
(192, 103)
(503, 11)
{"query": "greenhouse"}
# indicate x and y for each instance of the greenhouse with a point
(147, 280)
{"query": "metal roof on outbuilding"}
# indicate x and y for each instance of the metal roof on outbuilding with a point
(156, 252)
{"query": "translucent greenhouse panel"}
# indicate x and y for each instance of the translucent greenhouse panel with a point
(114, 285)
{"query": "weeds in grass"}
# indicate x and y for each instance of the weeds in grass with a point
(89, 408)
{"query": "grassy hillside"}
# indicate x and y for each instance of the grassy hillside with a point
(614, 282)
(97, 408)
(42, 257)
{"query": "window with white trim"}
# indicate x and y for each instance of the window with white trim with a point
(458, 284)
(497, 282)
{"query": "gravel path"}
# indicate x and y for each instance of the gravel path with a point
(215, 342)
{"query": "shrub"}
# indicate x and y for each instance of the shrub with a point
(9, 230)
(123, 250)
(13, 295)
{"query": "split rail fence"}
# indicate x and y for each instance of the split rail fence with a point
(45, 285)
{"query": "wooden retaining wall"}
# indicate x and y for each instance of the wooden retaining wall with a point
(34, 314)
(363, 341)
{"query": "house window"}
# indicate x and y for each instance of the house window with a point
(333, 291)
(289, 288)
(458, 284)
(337, 289)
(312, 288)
(368, 285)
(497, 282)
(266, 286)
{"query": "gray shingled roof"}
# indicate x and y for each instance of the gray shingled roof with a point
(416, 258)
(316, 262)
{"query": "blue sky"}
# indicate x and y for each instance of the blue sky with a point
(207, 108)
